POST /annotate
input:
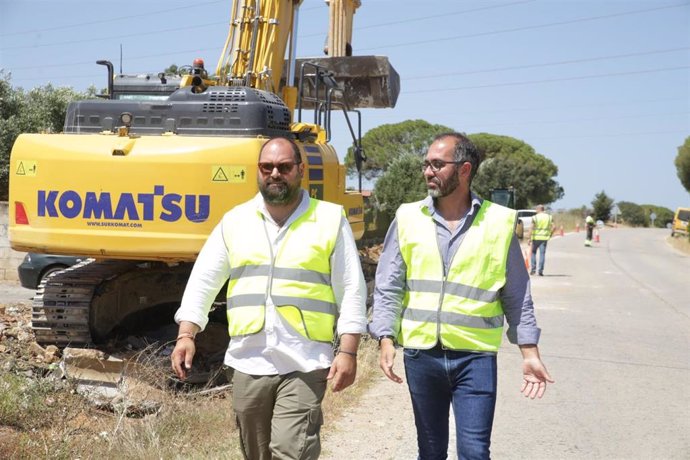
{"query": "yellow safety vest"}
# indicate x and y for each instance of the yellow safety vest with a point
(542, 227)
(462, 308)
(297, 277)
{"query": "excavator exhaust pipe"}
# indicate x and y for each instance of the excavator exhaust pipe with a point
(366, 81)
(198, 85)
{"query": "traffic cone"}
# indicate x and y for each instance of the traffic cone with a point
(562, 233)
(596, 236)
(577, 228)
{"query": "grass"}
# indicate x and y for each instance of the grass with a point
(46, 418)
(367, 368)
(568, 220)
(26, 404)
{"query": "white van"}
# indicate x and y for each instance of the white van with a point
(524, 222)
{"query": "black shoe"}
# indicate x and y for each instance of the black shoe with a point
(531, 273)
(541, 274)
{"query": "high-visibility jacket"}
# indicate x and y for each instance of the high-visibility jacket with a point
(297, 277)
(462, 308)
(541, 227)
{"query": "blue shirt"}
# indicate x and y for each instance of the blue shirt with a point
(516, 296)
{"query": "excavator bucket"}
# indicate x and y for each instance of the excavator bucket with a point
(361, 82)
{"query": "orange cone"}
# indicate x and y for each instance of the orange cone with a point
(562, 232)
(596, 236)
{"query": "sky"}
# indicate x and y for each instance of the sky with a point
(601, 88)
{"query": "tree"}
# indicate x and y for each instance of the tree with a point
(386, 142)
(633, 214)
(172, 70)
(663, 215)
(602, 205)
(402, 182)
(41, 109)
(510, 162)
(10, 108)
(683, 164)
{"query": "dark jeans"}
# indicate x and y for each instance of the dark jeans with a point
(538, 245)
(436, 378)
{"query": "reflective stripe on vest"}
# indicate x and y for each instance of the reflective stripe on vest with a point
(462, 308)
(542, 227)
(297, 277)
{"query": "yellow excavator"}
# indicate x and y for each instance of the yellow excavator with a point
(138, 179)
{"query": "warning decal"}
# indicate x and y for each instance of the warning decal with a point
(229, 174)
(26, 168)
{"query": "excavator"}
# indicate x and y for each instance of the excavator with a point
(139, 178)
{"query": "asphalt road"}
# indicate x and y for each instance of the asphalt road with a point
(11, 291)
(615, 322)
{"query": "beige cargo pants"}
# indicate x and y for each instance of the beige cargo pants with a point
(279, 416)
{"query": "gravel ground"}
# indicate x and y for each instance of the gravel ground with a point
(380, 426)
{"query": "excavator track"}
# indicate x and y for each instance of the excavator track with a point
(61, 306)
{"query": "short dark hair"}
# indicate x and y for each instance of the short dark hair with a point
(295, 147)
(464, 150)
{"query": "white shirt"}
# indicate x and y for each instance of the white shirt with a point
(277, 348)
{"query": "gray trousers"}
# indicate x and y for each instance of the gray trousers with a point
(279, 416)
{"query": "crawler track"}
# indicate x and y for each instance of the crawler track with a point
(60, 312)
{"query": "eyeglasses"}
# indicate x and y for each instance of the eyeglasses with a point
(437, 165)
(283, 168)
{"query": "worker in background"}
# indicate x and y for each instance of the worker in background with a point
(589, 224)
(542, 229)
(450, 272)
(198, 68)
(294, 278)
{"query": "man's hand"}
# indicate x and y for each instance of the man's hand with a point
(344, 368)
(387, 358)
(182, 356)
(534, 373)
(185, 348)
(343, 371)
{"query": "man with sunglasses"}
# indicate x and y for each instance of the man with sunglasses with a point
(451, 270)
(294, 278)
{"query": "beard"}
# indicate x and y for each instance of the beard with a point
(278, 191)
(443, 188)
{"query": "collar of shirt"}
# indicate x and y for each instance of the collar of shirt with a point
(428, 207)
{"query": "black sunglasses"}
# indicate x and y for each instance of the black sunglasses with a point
(283, 168)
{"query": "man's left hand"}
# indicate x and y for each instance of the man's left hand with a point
(535, 376)
(534, 373)
(343, 371)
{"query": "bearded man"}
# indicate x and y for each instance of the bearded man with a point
(294, 283)
(451, 270)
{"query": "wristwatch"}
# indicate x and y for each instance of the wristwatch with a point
(381, 337)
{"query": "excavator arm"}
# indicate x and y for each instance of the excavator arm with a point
(260, 33)
(340, 19)
(257, 39)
